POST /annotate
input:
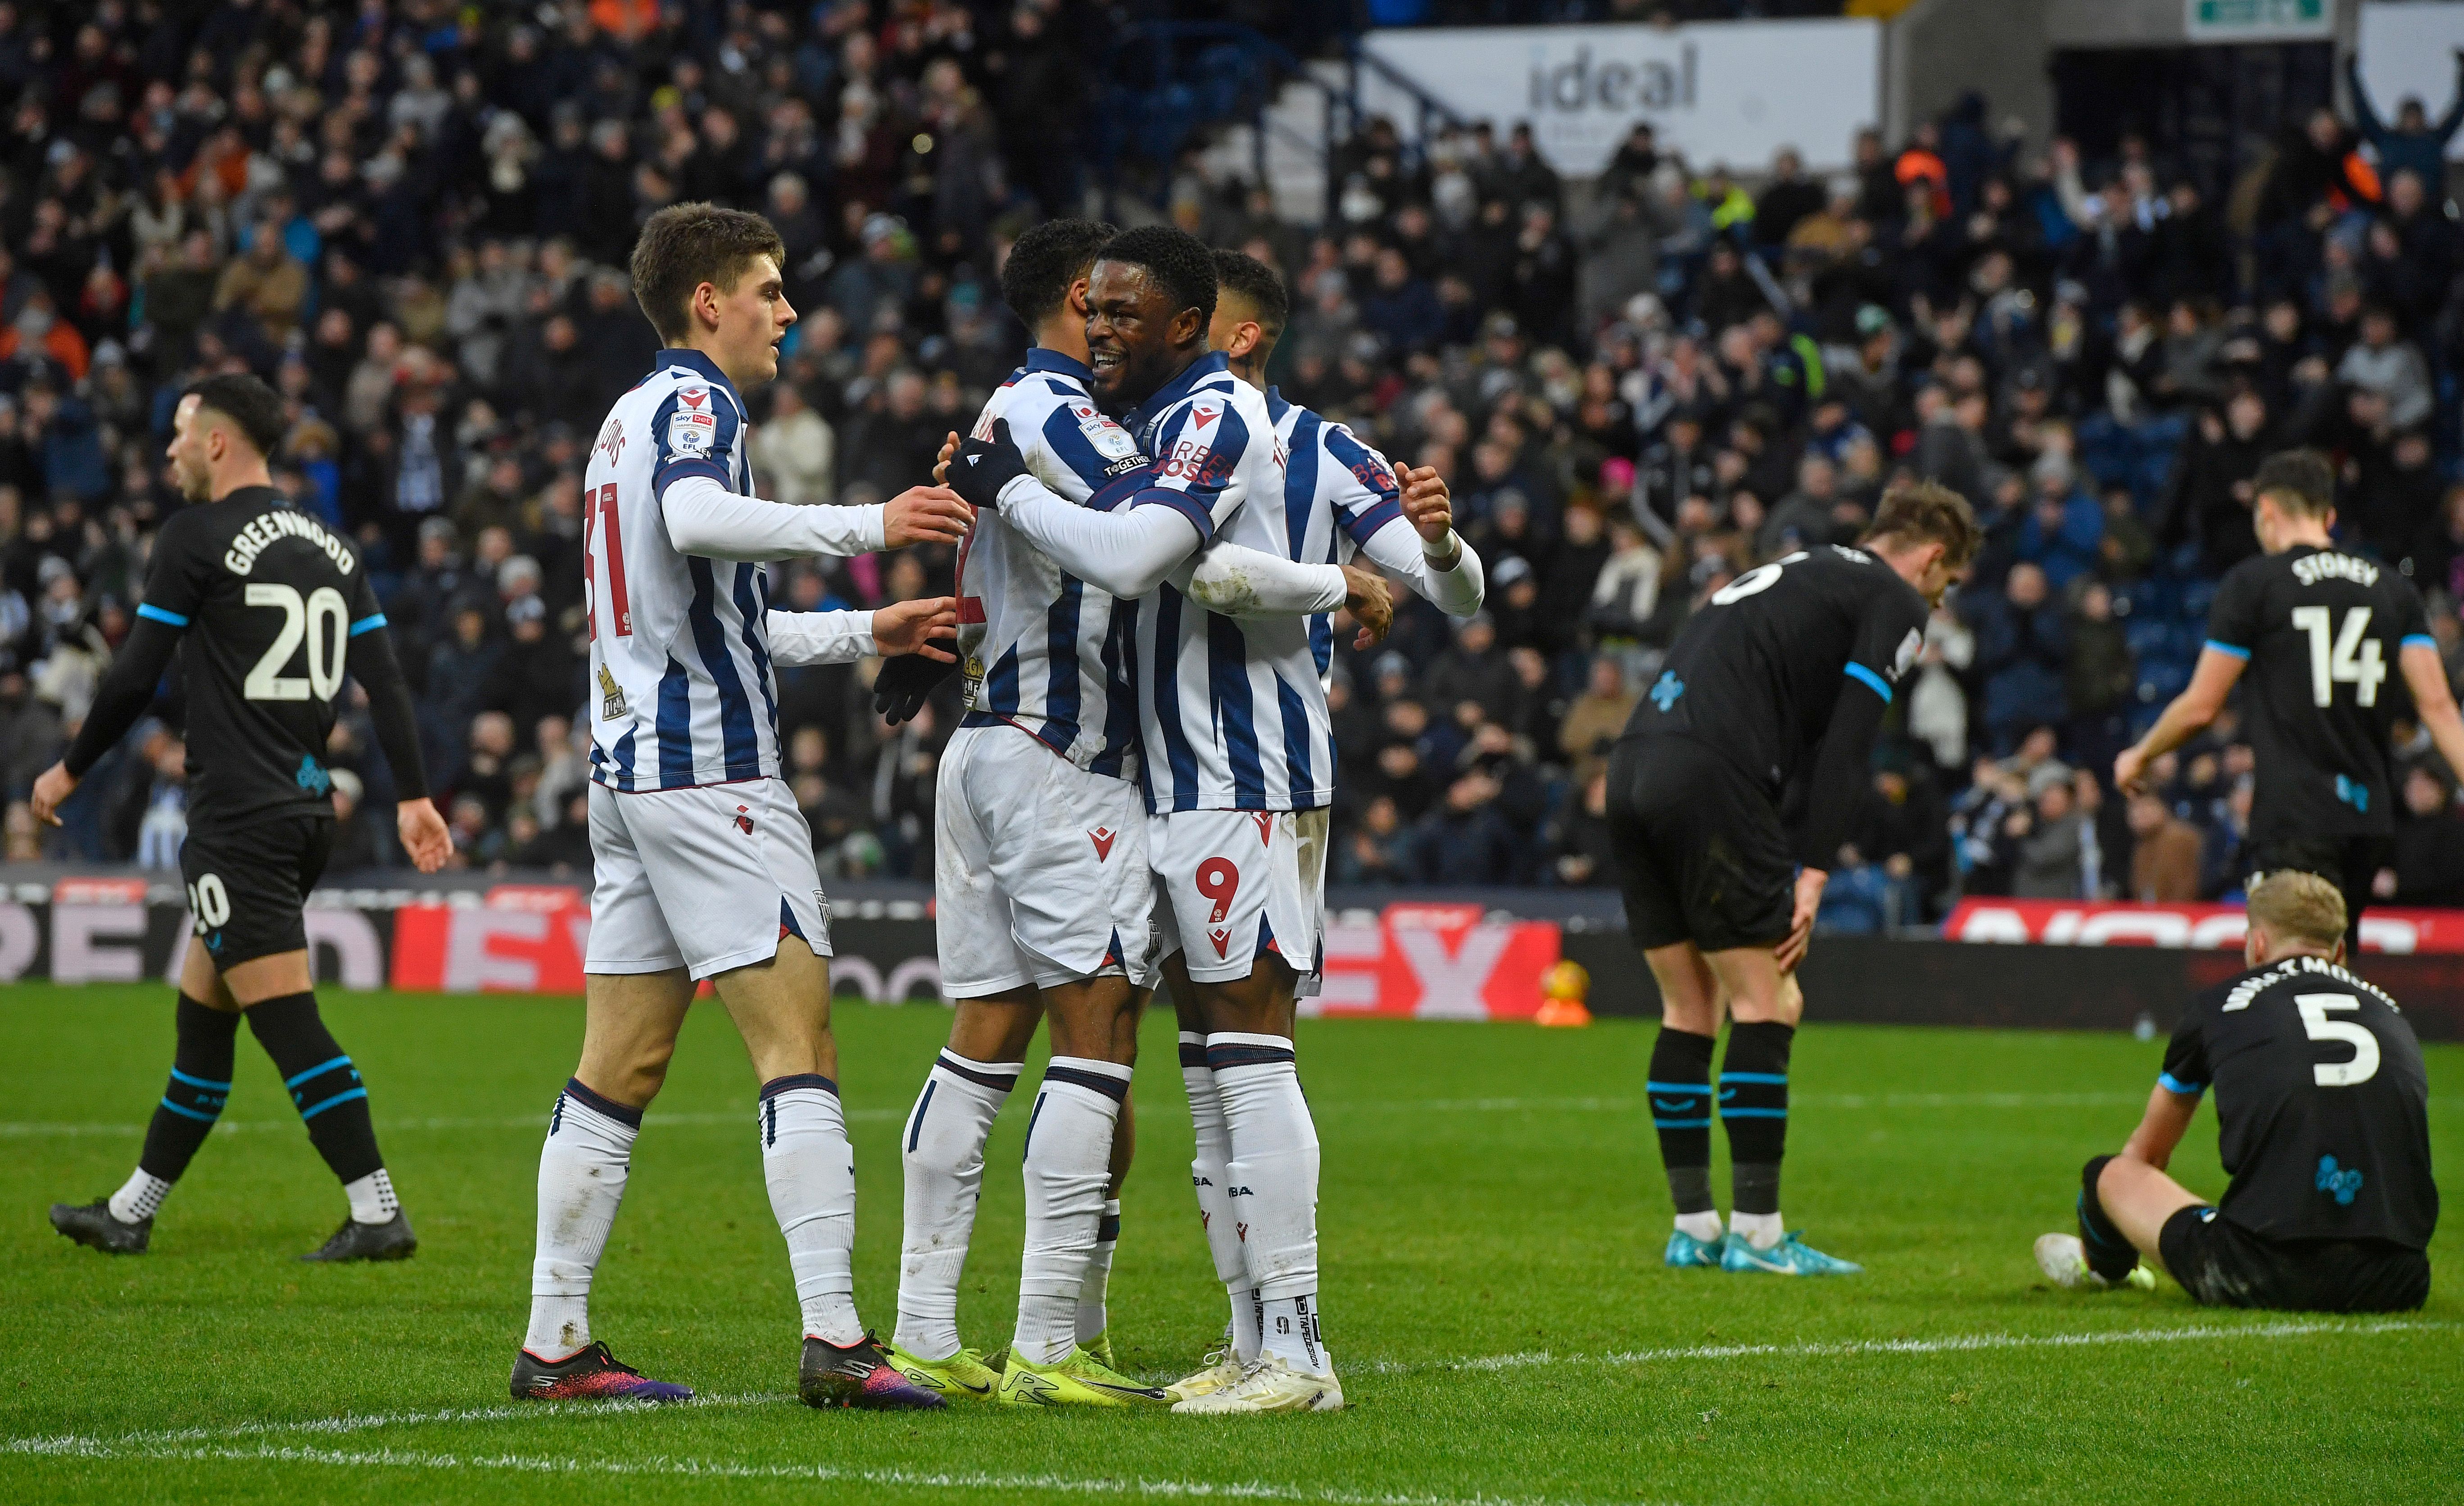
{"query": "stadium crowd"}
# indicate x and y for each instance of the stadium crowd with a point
(413, 217)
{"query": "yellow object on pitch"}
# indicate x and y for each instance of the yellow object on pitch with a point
(1563, 988)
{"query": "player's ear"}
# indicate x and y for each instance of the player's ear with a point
(1077, 298)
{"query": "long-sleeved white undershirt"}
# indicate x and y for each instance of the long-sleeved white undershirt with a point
(705, 518)
(817, 638)
(1131, 551)
(1398, 548)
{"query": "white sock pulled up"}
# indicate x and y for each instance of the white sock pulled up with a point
(943, 1157)
(811, 1169)
(1069, 1163)
(582, 1168)
(1209, 1179)
(1273, 1175)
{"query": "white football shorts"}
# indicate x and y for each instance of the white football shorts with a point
(1039, 867)
(1231, 886)
(709, 878)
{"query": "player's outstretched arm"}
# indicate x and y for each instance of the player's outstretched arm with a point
(423, 831)
(705, 518)
(127, 688)
(2193, 709)
(925, 626)
(2424, 675)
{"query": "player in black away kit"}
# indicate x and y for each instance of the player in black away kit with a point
(2312, 629)
(1786, 670)
(2321, 1121)
(272, 608)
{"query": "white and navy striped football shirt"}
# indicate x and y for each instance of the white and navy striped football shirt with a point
(1233, 712)
(681, 690)
(1042, 649)
(1337, 493)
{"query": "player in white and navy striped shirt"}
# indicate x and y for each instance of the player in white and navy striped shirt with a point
(1042, 891)
(1340, 498)
(1238, 764)
(702, 865)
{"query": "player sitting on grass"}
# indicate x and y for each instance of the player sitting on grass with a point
(2321, 1111)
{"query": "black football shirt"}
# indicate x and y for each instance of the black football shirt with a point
(1756, 671)
(2321, 631)
(268, 600)
(2322, 1103)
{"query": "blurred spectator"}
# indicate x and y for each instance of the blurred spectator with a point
(2429, 861)
(2163, 853)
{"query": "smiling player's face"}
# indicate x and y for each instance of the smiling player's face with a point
(1134, 334)
(753, 317)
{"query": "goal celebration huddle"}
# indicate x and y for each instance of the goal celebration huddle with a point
(1154, 546)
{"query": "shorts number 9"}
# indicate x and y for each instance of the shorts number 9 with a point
(1218, 881)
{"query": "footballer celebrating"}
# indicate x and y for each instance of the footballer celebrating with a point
(274, 610)
(702, 863)
(1785, 672)
(1237, 765)
(1340, 499)
(1042, 888)
(2322, 1121)
(2310, 626)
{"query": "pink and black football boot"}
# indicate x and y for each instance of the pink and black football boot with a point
(859, 1375)
(590, 1374)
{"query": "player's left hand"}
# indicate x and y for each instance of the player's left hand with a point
(941, 462)
(55, 785)
(425, 836)
(1800, 930)
(982, 466)
(1369, 603)
(921, 627)
(1428, 504)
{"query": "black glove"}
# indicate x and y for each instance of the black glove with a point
(981, 467)
(906, 682)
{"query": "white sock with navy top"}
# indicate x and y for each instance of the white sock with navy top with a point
(942, 1153)
(1067, 1166)
(583, 1168)
(811, 1169)
(1273, 1194)
(1211, 1181)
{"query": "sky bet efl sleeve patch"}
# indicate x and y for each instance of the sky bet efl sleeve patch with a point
(693, 432)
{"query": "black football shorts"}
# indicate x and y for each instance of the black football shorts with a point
(246, 885)
(2349, 862)
(2221, 1264)
(1699, 849)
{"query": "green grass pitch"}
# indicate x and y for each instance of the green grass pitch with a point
(1492, 1214)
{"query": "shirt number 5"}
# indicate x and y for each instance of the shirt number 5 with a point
(2316, 1024)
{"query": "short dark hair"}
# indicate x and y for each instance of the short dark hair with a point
(2301, 480)
(1046, 261)
(248, 403)
(686, 245)
(1258, 284)
(1179, 263)
(1929, 513)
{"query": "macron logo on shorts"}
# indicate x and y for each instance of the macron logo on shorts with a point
(1103, 841)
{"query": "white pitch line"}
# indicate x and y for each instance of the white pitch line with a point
(728, 1470)
(1957, 1343)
